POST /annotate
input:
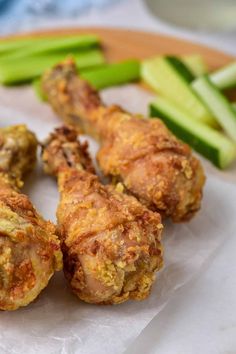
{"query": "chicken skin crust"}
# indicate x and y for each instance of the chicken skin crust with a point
(143, 154)
(110, 242)
(29, 249)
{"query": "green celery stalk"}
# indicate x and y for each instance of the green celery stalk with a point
(26, 69)
(38, 89)
(43, 44)
(113, 74)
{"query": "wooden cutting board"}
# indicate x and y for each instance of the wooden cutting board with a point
(124, 44)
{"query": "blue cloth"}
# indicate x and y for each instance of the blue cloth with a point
(14, 12)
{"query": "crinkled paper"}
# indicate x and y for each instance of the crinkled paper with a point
(57, 322)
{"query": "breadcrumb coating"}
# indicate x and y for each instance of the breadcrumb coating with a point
(29, 249)
(111, 243)
(142, 154)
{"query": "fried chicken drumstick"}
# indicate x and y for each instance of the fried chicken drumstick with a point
(143, 154)
(29, 250)
(110, 242)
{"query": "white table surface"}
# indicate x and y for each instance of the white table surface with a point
(201, 318)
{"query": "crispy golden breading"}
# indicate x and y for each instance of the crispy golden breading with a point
(144, 155)
(110, 242)
(18, 148)
(29, 249)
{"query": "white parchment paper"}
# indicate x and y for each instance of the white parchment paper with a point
(57, 322)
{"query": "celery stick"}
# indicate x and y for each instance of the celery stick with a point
(34, 45)
(8, 46)
(26, 69)
(113, 74)
(38, 89)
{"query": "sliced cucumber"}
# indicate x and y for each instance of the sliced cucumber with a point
(196, 64)
(158, 71)
(207, 141)
(225, 78)
(170, 77)
(218, 104)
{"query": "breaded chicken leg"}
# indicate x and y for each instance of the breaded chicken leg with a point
(29, 249)
(110, 242)
(144, 155)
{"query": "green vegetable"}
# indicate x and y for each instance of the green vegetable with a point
(51, 46)
(170, 77)
(225, 77)
(207, 141)
(196, 64)
(113, 74)
(218, 104)
(29, 45)
(26, 69)
(38, 90)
